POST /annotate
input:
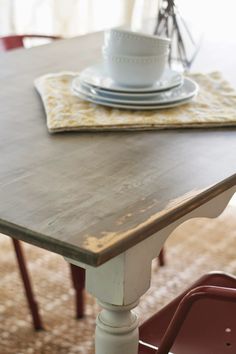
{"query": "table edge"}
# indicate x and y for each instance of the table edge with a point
(139, 234)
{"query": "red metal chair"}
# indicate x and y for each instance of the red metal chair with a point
(202, 320)
(37, 321)
(78, 281)
(161, 258)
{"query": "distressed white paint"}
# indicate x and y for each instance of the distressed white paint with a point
(124, 279)
(111, 281)
(116, 330)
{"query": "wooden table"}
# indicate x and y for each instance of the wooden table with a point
(106, 201)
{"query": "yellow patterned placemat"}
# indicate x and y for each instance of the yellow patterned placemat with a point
(215, 105)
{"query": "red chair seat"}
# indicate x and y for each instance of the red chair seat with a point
(209, 327)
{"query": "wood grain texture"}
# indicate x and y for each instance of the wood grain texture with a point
(90, 196)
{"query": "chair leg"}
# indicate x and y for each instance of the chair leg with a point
(161, 258)
(37, 322)
(78, 280)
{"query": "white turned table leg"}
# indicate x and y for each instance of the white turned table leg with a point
(117, 330)
(118, 285)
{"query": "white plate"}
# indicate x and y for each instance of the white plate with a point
(107, 93)
(180, 93)
(130, 106)
(134, 107)
(96, 76)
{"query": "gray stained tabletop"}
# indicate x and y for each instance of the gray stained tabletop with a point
(91, 196)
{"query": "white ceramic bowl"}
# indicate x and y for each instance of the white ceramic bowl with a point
(129, 52)
(135, 71)
(123, 42)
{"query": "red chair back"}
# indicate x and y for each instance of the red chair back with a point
(17, 41)
(202, 320)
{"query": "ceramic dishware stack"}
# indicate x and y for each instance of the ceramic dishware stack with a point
(134, 74)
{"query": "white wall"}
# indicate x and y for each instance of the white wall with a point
(64, 17)
(215, 18)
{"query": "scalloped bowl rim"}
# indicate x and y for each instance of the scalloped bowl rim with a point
(133, 58)
(141, 35)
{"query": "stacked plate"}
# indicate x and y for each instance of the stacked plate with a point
(95, 85)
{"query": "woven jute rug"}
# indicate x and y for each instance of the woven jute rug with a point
(196, 247)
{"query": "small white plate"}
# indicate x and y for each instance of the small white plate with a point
(180, 93)
(134, 107)
(111, 94)
(96, 76)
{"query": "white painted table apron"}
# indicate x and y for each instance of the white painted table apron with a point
(119, 283)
